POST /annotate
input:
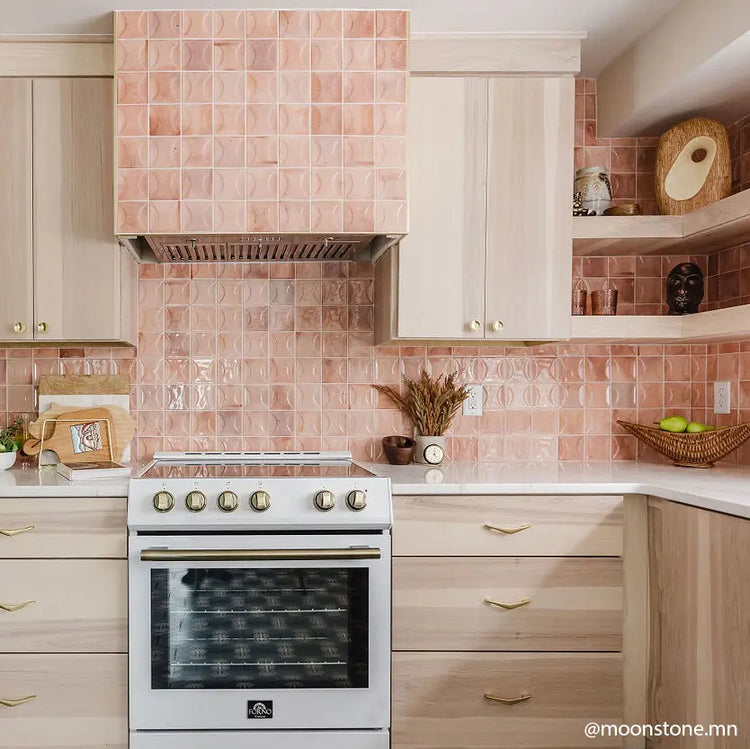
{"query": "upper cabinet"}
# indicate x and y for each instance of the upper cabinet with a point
(261, 121)
(65, 277)
(490, 245)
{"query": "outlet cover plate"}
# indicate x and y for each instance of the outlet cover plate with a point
(473, 404)
(722, 398)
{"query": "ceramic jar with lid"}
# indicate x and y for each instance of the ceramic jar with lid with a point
(593, 188)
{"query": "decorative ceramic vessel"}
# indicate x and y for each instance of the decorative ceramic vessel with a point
(593, 186)
(7, 460)
(399, 450)
(429, 450)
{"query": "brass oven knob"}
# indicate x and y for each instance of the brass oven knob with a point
(260, 501)
(163, 501)
(325, 500)
(357, 500)
(228, 501)
(195, 501)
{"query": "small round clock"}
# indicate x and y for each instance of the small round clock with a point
(433, 454)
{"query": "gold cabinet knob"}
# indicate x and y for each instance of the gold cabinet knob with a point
(19, 327)
(474, 325)
(42, 327)
(497, 326)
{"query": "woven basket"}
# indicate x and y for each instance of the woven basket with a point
(699, 450)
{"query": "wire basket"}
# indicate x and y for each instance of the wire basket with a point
(698, 450)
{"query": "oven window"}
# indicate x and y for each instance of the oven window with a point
(259, 629)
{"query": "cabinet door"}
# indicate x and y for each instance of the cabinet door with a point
(16, 289)
(529, 213)
(76, 258)
(441, 262)
(700, 628)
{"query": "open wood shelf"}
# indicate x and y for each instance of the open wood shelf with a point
(703, 327)
(723, 224)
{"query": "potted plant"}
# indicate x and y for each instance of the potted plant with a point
(432, 405)
(8, 445)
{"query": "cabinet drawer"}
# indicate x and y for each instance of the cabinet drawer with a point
(439, 699)
(77, 605)
(80, 701)
(521, 526)
(63, 527)
(574, 603)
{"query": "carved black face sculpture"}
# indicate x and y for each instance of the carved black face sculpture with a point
(684, 289)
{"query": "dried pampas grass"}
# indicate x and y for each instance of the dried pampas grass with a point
(430, 404)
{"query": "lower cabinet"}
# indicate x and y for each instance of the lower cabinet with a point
(63, 623)
(700, 625)
(509, 621)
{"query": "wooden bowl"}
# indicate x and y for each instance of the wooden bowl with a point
(626, 209)
(399, 450)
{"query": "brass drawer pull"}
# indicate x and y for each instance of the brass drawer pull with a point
(507, 531)
(10, 532)
(19, 701)
(508, 606)
(15, 606)
(507, 701)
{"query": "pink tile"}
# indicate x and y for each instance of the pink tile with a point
(164, 87)
(391, 151)
(294, 54)
(390, 119)
(262, 151)
(359, 23)
(262, 54)
(359, 87)
(132, 55)
(359, 54)
(164, 119)
(197, 215)
(326, 151)
(229, 184)
(358, 119)
(294, 119)
(229, 55)
(327, 215)
(326, 24)
(164, 184)
(326, 119)
(164, 24)
(262, 119)
(262, 216)
(327, 87)
(229, 151)
(391, 184)
(327, 54)
(360, 151)
(132, 119)
(197, 184)
(132, 184)
(164, 216)
(197, 87)
(294, 184)
(197, 54)
(132, 152)
(197, 119)
(197, 151)
(164, 152)
(391, 24)
(359, 216)
(262, 87)
(262, 184)
(132, 88)
(229, 24)
(392, 86)
(294, 215)
(262, 24)
(229, 87)
(132, 24)
(294, 151)
(229, 119)
(197, 24)
(294, 87)
(359, 184)
(230, 216)
(294, 23)
(132, 217)
(327, 184)
(163, 54)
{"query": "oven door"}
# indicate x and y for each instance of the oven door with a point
(259, 631)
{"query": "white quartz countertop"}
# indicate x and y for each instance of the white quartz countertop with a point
(723, 489)
(30, 481)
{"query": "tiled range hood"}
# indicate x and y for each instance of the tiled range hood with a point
(261, 134)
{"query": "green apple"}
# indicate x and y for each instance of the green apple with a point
(673, 424)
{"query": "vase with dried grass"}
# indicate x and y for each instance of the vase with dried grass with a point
(431, 404)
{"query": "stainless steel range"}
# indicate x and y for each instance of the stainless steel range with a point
(260, 591)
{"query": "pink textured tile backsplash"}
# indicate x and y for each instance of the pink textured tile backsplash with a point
(280, 356)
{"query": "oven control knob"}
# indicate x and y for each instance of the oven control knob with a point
(228, 501)
(357, 500)
(163, 501)
(325, 500)
(260, 501)
(195, 501)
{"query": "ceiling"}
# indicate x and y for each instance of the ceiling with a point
(611, 24)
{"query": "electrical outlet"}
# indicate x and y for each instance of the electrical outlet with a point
(473, 404)
(722, 398)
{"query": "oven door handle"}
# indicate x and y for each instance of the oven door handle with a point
(257, 555)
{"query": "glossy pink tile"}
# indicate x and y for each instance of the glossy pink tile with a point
(164, 24)
(197, 24)
(164, 119)
(262, 184)
(229, 119)
(132, 119)
(262, 87)
(326, 216)
(262, 24)
(229, 55)
(132, 55)
(197, 215)
(294, 23)
(294, 119)
(326, 24)
(132, 88)
(197, 151)
(164, 54)
(132, 217)
(132, 152)
(164, 216)
(229, 87)
(262, 216)
(229, 24)
(197, 54)
(262, 119)
(164, 152)
(294, 184)
(294, 54)
(359, 54)
(131, 24)
(164, 184)
(327, 54)
(197, 119)
(262, 54)
(326, 119)
(197, 87)
(197, 184)
(294, 215)
(391, 24)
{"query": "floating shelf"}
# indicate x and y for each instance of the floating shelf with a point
(723, 224)
(703, 327)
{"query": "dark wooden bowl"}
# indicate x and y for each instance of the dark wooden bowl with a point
(399, 450)
(626, 209)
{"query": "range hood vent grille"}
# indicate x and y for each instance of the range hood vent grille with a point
(281, 247)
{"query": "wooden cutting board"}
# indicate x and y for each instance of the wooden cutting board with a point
(82, 438)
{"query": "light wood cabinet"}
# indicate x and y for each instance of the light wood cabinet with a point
(700, 626)
(489, 251)
(70, 281)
